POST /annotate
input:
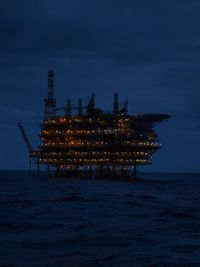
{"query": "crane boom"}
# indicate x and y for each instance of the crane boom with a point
(27, 142)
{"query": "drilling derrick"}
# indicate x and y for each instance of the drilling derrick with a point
(91, 105)
(50, 102)
(80, 107)
(115, 105)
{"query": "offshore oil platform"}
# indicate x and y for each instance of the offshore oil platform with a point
(92, 142)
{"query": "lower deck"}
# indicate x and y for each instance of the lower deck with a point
(87, 170)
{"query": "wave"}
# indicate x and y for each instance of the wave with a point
(72, 198)
(177, 214)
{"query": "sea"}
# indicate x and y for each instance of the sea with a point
(76, 222)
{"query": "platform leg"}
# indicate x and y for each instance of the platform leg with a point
(48, 170)
(113, 171)
(57, 171)
(90, 171)
(134, 171)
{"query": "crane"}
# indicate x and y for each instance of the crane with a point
(27, 142)
(33, 154)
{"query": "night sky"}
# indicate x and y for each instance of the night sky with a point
(147, 51)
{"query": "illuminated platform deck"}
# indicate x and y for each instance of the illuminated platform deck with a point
(93, 143)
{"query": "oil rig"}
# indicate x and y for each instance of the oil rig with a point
(92, 142)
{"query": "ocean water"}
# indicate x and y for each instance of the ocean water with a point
(79, 223)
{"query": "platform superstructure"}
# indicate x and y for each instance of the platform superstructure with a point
(89, 142)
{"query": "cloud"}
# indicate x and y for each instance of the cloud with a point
(136, 32)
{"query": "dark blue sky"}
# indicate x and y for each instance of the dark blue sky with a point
(147, 51)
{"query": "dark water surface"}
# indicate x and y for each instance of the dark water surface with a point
(73, 222)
